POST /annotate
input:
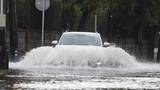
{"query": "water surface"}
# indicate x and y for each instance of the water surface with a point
(80, 68)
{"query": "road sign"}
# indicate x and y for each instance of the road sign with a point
(42, 3)
(2, 20)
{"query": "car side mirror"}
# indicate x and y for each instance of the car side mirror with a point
(54, 42)
(106, 44)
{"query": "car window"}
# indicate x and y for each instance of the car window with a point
(80, 39)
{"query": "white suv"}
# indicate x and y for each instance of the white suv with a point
(80, 38)
(70, 40)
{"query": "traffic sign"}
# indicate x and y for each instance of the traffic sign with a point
(42, 4)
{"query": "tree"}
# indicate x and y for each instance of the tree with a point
(88, 8)
(12, 28)
(138, 20)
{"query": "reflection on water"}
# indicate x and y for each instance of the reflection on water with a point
(81, 79)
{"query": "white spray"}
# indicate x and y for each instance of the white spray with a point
(78, 56)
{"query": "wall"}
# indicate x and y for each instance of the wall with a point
(29, 39)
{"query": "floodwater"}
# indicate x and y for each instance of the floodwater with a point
(47, 68)
(80, 79)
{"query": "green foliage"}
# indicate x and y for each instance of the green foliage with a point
(23, 12)
(129, 16)
(130, 13)
(138, 20)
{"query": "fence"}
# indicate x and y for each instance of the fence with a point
(29, 39)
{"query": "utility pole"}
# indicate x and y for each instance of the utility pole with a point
(3, 49)
(95, 23)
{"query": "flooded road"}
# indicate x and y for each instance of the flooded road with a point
(81, 68)
(81, 79)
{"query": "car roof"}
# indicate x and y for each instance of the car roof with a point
(84, 33)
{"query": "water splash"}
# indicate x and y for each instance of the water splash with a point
(111, 67)
(79, 56)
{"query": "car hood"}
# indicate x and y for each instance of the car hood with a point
(77, 46)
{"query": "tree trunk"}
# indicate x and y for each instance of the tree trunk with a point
(12, 28)
(83, 19)
(140, 44)
(110, 32)
(150, 52)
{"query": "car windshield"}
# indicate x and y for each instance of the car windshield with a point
(80, 39)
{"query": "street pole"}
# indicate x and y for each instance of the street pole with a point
(1, 7)
(95, 23)
(43, 13)
(3, 49)
(42, 5)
